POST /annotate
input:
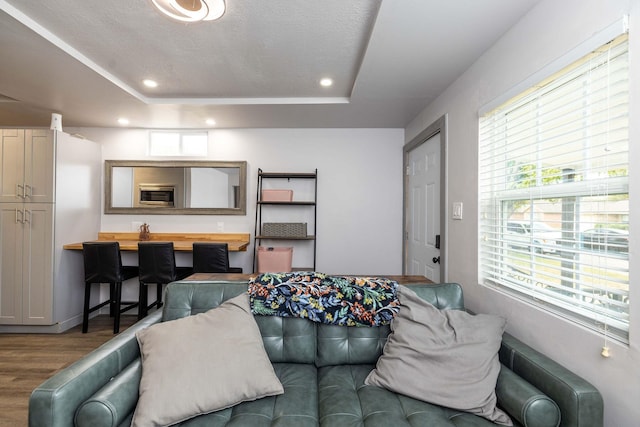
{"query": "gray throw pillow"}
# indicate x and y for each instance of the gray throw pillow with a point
(201, 364)
(445, 357)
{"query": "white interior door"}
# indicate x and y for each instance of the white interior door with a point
(423, 209)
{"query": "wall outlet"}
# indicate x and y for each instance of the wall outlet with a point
(135, 225)
(220, 226)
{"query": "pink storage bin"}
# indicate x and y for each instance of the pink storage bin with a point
(274, 259)
(277, 195)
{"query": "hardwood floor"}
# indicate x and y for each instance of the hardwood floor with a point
(27, 360)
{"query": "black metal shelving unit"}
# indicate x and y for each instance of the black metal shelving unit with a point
(260, 205)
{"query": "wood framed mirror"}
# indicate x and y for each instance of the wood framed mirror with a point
(175, 187)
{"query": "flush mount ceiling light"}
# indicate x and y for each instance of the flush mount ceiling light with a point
(191, 10)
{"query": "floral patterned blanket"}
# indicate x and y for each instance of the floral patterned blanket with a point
(334, 300)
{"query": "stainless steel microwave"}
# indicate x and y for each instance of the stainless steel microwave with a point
(157, 195)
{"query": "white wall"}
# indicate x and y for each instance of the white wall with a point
(77, 210)
(549, 31)
(359, 189)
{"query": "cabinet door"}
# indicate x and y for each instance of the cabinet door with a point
(11, 233)
(37, 264)
(39, 149)
(12, 165)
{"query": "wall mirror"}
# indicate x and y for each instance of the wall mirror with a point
(175, 187)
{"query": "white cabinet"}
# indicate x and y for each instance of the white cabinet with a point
(49, 195)
(26, 226)
(26, 263)
(27, 165)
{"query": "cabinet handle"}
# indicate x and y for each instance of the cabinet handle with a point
(20, 189)
(21, 219)
(30, 193)
(27, 219)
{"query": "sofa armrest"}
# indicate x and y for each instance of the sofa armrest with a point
(114, 403)
(580, 402)
(525, 403)
(54, 402)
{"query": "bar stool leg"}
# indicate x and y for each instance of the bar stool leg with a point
(143, 300)
(112, 306)
(159, 295)
(85, 312)
(118, 296)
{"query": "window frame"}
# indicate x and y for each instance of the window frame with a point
(181, 150)
(495, 260)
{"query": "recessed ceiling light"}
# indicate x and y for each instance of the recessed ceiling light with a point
(123, 121)
(150, 83)
(326, 82)
(210, 122)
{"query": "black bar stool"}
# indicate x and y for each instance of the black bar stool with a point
(157, 264)
(212, 258)
(103, 264)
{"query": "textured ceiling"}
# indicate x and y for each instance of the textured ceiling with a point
(258, 66)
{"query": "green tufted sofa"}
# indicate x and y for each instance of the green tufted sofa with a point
(322, 369)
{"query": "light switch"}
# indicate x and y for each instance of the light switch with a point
(457, 210)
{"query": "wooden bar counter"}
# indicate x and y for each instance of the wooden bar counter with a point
(237, 242)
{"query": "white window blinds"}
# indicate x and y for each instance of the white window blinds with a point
(553, 187)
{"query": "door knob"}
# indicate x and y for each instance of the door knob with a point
(436, 260)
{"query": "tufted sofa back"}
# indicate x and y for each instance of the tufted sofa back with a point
(295, 340)
(339, 345)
